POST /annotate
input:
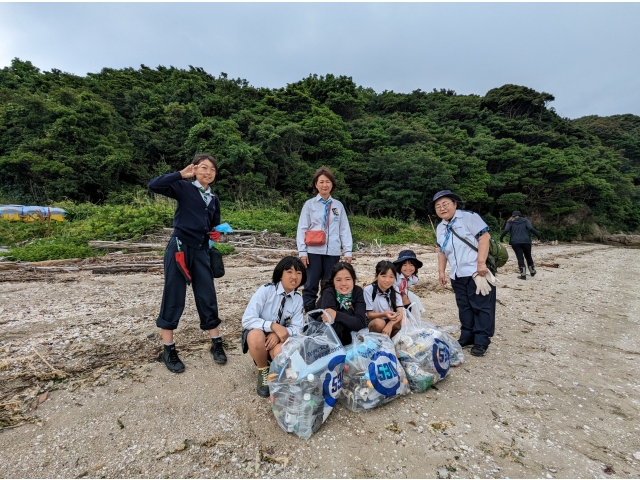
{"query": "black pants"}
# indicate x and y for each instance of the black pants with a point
(175, 288)
(477, 312)
(319, 269)
(522, 251)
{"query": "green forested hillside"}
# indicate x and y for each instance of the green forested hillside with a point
(102, 137)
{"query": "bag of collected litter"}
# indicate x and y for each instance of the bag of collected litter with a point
(305, 378)
(372, 374)
(425, 352)
(416, 305)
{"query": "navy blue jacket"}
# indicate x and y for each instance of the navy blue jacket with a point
(193, 219)
(519, 228)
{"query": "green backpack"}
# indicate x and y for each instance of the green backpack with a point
(498, 253)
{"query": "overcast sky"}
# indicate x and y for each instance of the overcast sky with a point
(587, 55)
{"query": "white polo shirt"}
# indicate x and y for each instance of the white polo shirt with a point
(463, 260)
(264, 306)
(380, 304)
(339, 235)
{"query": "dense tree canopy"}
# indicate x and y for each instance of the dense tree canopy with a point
(101, 136)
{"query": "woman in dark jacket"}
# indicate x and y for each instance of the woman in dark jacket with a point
(344, 301)
(519, 228)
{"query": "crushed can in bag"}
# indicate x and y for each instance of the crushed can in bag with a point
(305, 379)
(456, 354)
(373, 375)
(425, 352)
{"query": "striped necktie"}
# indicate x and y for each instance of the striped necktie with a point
(281, 310)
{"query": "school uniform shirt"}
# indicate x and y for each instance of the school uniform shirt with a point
(193, 219)
(463, 260)
(347, 321)
(403, 283)
(339, 234)
(380, 304)
(264, 306)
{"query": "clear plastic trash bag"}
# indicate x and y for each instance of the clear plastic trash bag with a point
(305, 378)
(416, 305)
(373, 375)
(425, 352)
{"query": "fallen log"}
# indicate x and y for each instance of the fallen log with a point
(10, 266)
(123, 264)
(50, 263)
(260, 259)
(126, 269)
(52, 269)
(126, 245)
(267, 249)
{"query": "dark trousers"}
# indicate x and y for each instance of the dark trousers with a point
(522, 251)
(319, 269)
(175, 288)
(477, 312)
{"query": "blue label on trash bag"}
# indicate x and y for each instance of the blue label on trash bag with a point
(383, 373)
(333, 380)
(441, 357)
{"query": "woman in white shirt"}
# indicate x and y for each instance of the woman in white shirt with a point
(472, 282)
(323, 232)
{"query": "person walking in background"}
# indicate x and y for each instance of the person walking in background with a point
(519, 227)
(463, 238)
(323, 231)
(186, 258)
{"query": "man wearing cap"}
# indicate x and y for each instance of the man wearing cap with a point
(519, 227)
(463, 238)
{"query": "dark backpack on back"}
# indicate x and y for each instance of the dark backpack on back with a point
(498, 254)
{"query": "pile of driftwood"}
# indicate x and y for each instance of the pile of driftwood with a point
(240, 239)
(113, 263)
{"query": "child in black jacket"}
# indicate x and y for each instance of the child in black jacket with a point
(186, 258)
(344, 301)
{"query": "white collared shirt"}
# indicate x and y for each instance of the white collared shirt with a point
(380, 304)
(312, 218)
(463, 260)
(264, 306)
(401, 279)
(207, 195)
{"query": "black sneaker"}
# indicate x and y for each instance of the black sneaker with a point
(218, 351)
(263, 387)
(171, 359)
(479, 350)
(465, 343)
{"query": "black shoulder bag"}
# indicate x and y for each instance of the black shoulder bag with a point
(217, 266)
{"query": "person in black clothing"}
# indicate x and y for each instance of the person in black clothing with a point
(186, 258)
(519, 227)
(344, 301)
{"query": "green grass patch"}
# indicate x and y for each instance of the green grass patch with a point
(42, 240)
(389, 231)
(225, 248)
(51, 249)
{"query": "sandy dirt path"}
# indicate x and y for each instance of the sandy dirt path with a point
(556, 396)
